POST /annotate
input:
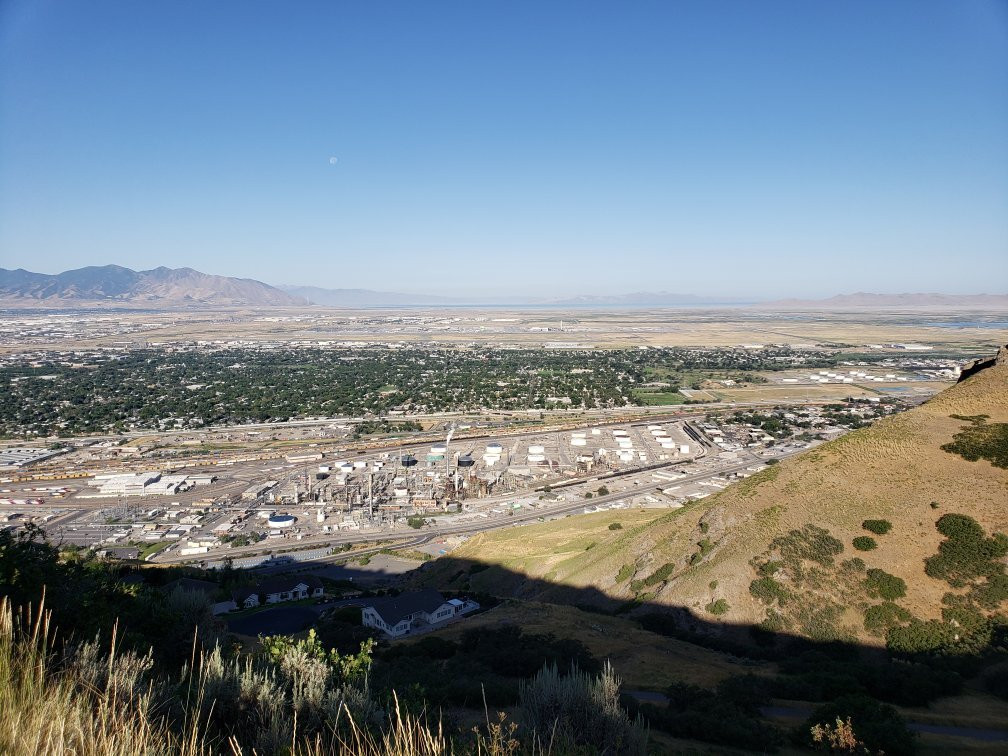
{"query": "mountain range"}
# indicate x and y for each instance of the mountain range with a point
(363, 297)
(185, 287)
(114, 284)
(862, 300)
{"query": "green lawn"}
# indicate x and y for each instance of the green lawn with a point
(653, 398)
(149, 549)
(263, 607)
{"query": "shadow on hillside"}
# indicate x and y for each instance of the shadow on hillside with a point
(805, 670)
(455, 576)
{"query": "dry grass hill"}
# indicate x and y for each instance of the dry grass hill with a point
(778, 549)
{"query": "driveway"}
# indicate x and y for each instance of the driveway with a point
(281, 620)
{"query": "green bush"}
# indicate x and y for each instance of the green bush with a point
(581, 711)
(966, 553)
(880, 584)
(769, 569)
(769, 591)
(717, 608)
(864, 543)
(878, 527)
(879, 619)
(615, 526)
(730, 716)
(661, 574)
(992, 593)
(811, 543)
(879, 727)
(625, 573)
(822, 623)
(917, 637)
(981, 440)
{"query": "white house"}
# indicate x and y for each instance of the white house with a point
(246, 598)
(403, 614)
(294, 588)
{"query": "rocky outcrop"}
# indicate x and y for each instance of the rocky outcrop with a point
(974, 367)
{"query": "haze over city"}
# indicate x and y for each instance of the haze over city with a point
(732, 150)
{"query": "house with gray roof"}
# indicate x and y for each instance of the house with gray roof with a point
(289, 588)
(407, 613)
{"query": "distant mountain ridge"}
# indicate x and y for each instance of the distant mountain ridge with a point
(867, 300)
(363, 297)
(370, 298)
(652, 298)
(114, 284)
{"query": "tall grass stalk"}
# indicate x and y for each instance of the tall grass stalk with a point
(50, 708)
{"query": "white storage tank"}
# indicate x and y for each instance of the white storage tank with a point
(620, 434)
(579, 442)
(536, 458)
(596, 432)
(360, 463)
(346, 467)
(281, 521)
(536, 449)
(684, 449)
(494, 448)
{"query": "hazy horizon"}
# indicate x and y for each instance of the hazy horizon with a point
(730, 150)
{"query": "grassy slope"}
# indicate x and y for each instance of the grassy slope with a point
(892, 470)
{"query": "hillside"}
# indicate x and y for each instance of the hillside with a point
(778, 547)
(114, 284)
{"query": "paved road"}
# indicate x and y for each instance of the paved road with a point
(973, 733)
(801, 712)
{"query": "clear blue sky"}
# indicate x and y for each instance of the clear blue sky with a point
(745, 148)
